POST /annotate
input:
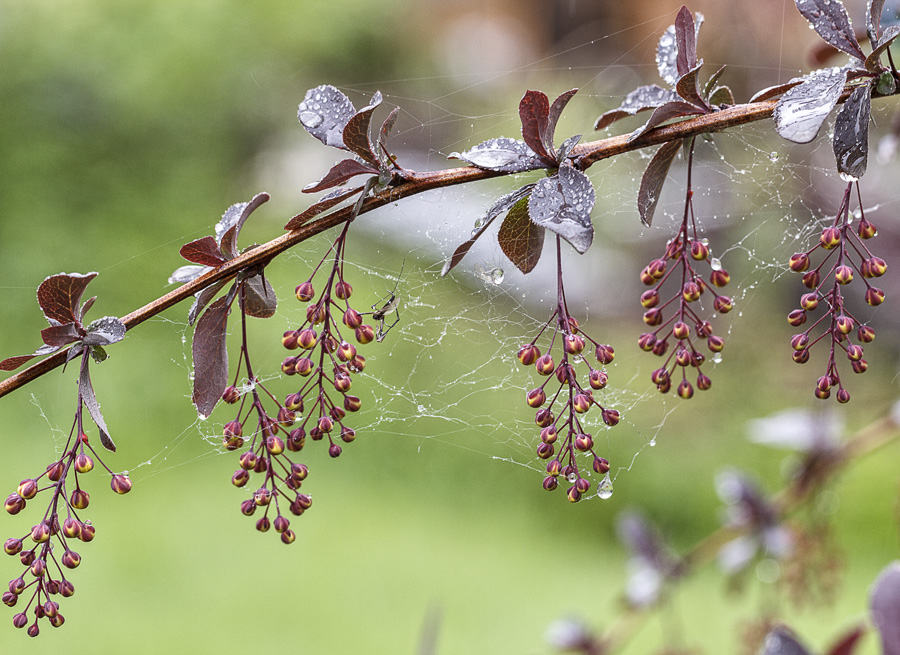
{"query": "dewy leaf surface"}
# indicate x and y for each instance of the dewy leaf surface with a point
(340, 173)
(210, 357)
(501, 154)
(829, 19)
(562, 203)
(228, 229)
(60, 296)
(873, 20)
(641, 99)
(885, 606)
(323, 205)
(204, 251)
(86, 390)
(851, 132)
(654, 178)
(356, 131)
(801, 111)
(556, 110)
(666, 56)
(104, 331)
(58, 336)
(324, 112)
(520, 239)
(685, 42)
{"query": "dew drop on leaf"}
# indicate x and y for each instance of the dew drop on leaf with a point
(310, 119)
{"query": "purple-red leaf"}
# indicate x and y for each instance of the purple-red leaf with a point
(774, 91)
(847, 644)
(665, 113)
(323, 205)
(781, 641)
(873, 20)
(873, 62)
(104, 331)
(340, 173)
(851, 132)
(203, 298)
(688, 87)
(184, 274)
(654, 178)
(685, 41)
(534, 112)
(60, 295)
(86, 391)
(885, 606)
(556, 110)
(562, 203)
(386, 128)
(258, 297)
(356, 131)
(210, 357)
(58, 336)
(228, 229)
(501, 154)
(641, 99)
(520, 239)
(85, 308)
(829, 19)
(12, 363)
(324, 112)
(502, 205)
(801, 111)
(203, 251)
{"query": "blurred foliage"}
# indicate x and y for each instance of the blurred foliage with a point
(126, 129)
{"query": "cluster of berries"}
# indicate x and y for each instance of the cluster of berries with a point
(45, 571)
(562, 433)
(848, 257)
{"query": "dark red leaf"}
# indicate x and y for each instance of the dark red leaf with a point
(829, 19)
(340, 173)
(534, 112)
(203, 251)
(774, 91)
(688, 87)
(203, 298)
(885, 606)
(846, 645)
(61, 335)
(851, 132)
(654, 178)
(258, 298)
(85, 307)
(356, 132)
(873, 62)
(686, 41)
(721, 95)
(520, 239)
(60, 295)
(556, 110)
(12, 363)
(228, 229)
(322, 205)
(873, 20)
(641, 99)
(665, 113)
(386, 128)
(86, 391)
(210, 357)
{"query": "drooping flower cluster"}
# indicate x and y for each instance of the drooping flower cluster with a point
(327, 358)
(848, 257)
(563, 434)
(682, 324)
(63, 524)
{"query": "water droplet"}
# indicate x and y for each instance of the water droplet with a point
(479, 224)
(773, 156)
(497, 275)
(849, 178)
(421, 409)
(717, 358)
(577, 359)
(715, 264)
(605, 488)
(572, 477)
(310, 119)
(652, 442)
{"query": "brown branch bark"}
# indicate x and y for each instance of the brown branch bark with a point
(413, 184)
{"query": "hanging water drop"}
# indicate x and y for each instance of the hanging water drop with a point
(773, 156)
(717, 358)
(572, 478)
(497, 275)
(715, 264)
(605, 488)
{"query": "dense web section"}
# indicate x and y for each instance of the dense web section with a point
(447, 370)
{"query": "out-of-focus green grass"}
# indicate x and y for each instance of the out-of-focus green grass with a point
(125, 131)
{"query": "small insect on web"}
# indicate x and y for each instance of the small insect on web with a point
(391, 303)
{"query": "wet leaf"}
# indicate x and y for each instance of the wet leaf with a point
(104, 331)
(641, 99)
(340, 173)
(203, 298)
(721, 95)
(847, 644)
(210, 357)
(98, 353)
(534, 112)
(501, 154)
(665, 113)
(520, 239)
(873, 62)
(85, 308)
(503, 204)
(654, 178)
(851, 132)
(356, 131)
(801, 111)
(86, 391)
(711, 82)
(386, 128)
(774, 91)
(667, 55)
(685, 42)
(873, 20)
(781, 641)
(885, 606)
(203, 251)
(324, 112)
(566, 148)
(258, 298)
(228, 229)
(829, 19)
(184, 274)
(688, 87)
(323, 205)
(12, 363)
(562, 203)
(60, 295)
(556, 110)
(58, 336)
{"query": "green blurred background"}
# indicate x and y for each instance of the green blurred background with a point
(127, 127)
